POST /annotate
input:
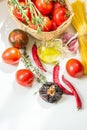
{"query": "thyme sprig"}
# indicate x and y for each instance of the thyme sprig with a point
(16, 4)
(37, 17)
(40, 78)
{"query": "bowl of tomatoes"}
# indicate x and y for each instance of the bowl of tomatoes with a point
(42, 19)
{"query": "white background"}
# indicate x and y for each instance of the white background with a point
(20, 109)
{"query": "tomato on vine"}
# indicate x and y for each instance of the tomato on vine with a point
(57, 5)
(47, 23)
(54, 25)
(60, 15)
(18, 14)
(43, 6)
(33, 26)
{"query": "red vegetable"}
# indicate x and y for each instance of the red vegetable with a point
(18, 38)
(74, 68)
(33, 25)
(60, 16)
(47, 24)
(11, 55)
(24, 77)
(56, 80)
(19, 16)
(36, 58)
(54, 25)
(78, 100)
(44, 6)
(57, 5)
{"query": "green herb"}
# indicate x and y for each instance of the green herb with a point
(16, 4)
(36, 16)
(28, 64)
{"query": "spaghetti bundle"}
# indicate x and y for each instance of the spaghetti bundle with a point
(79, 21)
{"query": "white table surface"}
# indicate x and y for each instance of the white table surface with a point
(21, 110)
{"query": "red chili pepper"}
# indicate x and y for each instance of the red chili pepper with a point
(36, 58)
(78, 100)
(57, 81)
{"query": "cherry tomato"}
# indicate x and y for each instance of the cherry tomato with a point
(74, 68)
(19, 16)
(11, 55)
(57, 5)
(44, 6)
(21, 0)
(18, 38)
(24, 77)
(32, 25)
(47, 24)
(33, 1)
(60, 16)
(54, 25)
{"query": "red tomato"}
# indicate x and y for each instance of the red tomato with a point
(54, 25)
(18, 38)
(21, 0)
(59, 15)
(47, 24)
(11, 55)
(32, 25)
(19, 16)
(56, 5)
(24, 77)
(33, 1)
(74, 68)
(44, 6)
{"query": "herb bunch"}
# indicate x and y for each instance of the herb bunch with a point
(36, 16)
(28, 64)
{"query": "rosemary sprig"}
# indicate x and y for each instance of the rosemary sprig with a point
(28, 64)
